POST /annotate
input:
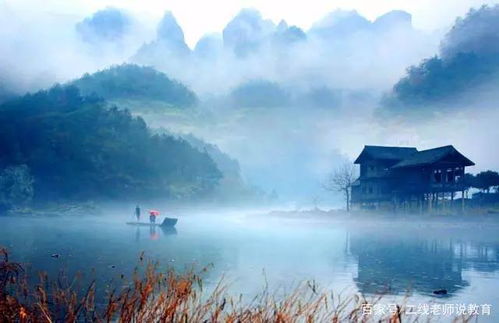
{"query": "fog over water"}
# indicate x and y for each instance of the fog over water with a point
(250, 251)
(279, 106)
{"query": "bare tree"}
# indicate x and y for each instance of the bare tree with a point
(341, 180)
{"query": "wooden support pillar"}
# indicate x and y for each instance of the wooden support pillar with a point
(444, 202)
(452, 201)
(462, 201)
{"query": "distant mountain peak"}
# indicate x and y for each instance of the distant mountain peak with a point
(169, 44)
(246, 30)
(109, 24)
(476, 33)
(285, 34)
(169, 29)
(209, 45)
(282, 26)
(340, 23)
(394, 19)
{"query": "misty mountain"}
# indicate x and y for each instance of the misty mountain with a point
(79, 148)
(476, 33)
(339, 24)
(246, 32)
(259, 93)
(109, 24)
(209, 46)
(133, 82)
(267, 94)
(168, 45)
(249, 47)
(169, 31)
(396, 19)
(343, 50)
(231, 186)
(468, 63)
(285, 35)
(227, 165)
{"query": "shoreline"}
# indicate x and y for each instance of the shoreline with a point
(342, 215)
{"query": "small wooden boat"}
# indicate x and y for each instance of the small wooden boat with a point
(167, 222)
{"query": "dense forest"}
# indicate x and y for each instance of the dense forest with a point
(468, 59)
(439, 81)
(135, 82)
(74, 147)
(5, 93)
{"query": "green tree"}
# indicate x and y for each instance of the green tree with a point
(468, 181)
(486, 180)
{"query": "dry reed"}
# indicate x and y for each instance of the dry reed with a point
(155, 296)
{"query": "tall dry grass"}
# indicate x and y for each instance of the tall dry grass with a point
(156, 296)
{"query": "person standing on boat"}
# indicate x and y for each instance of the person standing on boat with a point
(152, 216)
(137, 212)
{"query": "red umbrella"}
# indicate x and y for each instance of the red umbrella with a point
(154, 212)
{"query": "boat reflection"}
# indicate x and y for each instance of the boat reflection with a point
(155, 232)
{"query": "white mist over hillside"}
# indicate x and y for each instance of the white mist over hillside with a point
(343, 50)
(289, 102)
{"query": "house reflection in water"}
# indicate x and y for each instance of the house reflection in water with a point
(400, 262)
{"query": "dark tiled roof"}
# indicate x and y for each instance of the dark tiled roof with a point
(430, 156)
(386, 153)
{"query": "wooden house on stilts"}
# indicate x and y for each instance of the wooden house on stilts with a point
(403, 177)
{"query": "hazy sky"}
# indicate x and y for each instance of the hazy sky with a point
(198, 17)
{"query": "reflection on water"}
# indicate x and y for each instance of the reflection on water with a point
(369, 257)
(420, 260)
(386, 264)
(154, 232)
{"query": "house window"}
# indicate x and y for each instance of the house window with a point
(370, 190)
(371, 168)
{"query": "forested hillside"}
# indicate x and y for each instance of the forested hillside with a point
(135, 82)
(77, 147)
(467, 66)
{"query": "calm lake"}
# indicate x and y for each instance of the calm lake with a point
(384, 256)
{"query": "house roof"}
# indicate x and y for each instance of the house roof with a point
(385, 153)
(430, 156)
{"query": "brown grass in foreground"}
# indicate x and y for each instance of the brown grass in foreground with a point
(155, 296)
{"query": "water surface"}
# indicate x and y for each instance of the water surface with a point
(391, 257)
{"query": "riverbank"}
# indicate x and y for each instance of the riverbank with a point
(56, 209)
(470, 216)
